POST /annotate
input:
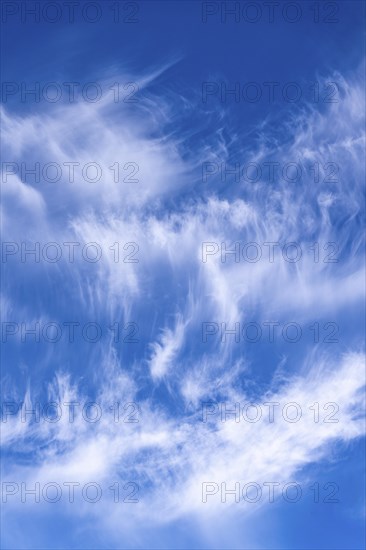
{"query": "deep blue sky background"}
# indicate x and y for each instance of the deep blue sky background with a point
(172, 33)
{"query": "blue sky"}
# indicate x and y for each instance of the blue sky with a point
(138, 196)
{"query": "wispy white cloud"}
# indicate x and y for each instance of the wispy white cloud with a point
(170, 447)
